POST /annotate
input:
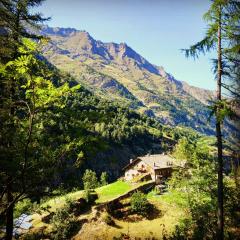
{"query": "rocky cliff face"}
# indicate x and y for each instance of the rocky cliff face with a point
(117, 72)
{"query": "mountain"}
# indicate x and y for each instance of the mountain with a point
(115, 71)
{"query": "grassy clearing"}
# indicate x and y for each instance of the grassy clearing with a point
(59, 202)
(113, 190)
(105, 193)
(170, 213)
(116, 189)
(172, 197)
(171, 206)
(52, 205)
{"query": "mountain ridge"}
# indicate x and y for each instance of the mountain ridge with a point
(132, 53)
(118, 72)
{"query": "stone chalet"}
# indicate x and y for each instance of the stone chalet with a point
(158, 166)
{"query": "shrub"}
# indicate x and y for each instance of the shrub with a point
(90, 180)
(90, 195)
(65, 225)
(70, 204)
(139, 203)
(33, 236)
(108, 219)
(25, 206)
(104, 179)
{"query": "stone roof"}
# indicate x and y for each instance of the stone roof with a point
(158, 161)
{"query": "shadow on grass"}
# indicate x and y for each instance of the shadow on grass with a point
(116, 226)
(153, 213)
(130, 216)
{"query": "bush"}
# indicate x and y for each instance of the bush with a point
(90, 196)
(108, 219)
(33, 236)
(65, 225)
(25, 206)
(139, 203)
(90, 180)
(104, 179)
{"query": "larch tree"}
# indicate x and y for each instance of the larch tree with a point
(222, 20)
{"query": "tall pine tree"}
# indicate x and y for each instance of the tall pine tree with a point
(218, 38)
(17, 21)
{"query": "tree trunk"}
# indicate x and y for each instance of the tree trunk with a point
(9, 213)
(220, 227)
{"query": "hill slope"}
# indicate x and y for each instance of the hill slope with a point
(116, 71)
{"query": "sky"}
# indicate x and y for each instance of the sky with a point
(156, 29)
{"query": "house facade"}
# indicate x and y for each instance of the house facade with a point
(158, 166)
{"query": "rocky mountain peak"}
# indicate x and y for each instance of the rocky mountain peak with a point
(59, 31)
(80, 44)
(116, 71)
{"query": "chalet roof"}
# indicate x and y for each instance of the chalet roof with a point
(132, 163)
(156, 161)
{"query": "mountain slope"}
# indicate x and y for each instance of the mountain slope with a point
(117, 72)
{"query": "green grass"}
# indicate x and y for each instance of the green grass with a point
(58, 202)
(112, 190)
(172, 197)
(105, 193)
(168, 217)
(171, 208)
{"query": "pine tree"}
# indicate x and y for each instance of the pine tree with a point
(17, 21)
(218, 36)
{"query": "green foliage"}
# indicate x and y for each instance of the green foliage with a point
(28, 97)
(90, 195)
(87, 195)
(139, 203)
(222, 110)
(108, 219)
(25, 206)
(104, 178)
(90, 180)
(65, 224)
(183, 149)
(14, 16)
(195, 187)
(222, 35)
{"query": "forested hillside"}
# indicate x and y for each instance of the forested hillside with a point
(117, 72)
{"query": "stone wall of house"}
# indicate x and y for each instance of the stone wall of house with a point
(136, 170)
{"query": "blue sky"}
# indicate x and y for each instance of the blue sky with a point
(157, 29)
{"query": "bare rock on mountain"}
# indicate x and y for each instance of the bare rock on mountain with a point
(115, 71)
